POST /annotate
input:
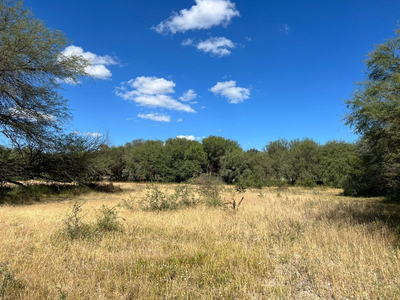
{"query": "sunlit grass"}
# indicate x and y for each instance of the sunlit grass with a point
(280, 244)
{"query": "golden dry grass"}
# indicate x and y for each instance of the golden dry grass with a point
(280, 244)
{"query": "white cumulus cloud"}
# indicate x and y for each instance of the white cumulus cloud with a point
(188, 95)
(93, 58)
(188, 137)
(98, 68)
(229, 90)
(203, 15)
(218, 46)
(152, 85)
(151, 92)
(155, 117)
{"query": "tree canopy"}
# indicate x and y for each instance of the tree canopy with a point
(32, 110)
(31, 71)
(374, 113)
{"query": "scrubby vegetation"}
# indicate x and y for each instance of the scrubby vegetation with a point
(281, 243)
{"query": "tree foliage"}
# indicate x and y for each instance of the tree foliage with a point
(216, 147)
(31, 70)
(374, 113)
(32, 110)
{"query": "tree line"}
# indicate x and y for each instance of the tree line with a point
(297, 162)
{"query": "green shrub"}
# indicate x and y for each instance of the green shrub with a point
(185, 196)
(157, 200)
(213, 202)
(209, 187)
(74, 228)
(108, 219)
(8, 283)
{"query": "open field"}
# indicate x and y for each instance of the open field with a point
(281, 243)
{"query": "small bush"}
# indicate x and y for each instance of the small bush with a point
(209, 189)
(130, 203)
(213, 202)
(74, 228)
(8, 283)
(108, 219)
(157, 200)
(185, 196)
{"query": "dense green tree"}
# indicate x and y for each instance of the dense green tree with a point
(216, 147)
(374, 113)
(303, 160)
(111, 163)
(293, 161)
(179, 167)
(146, 161)
(235, 165)
(336, 163)
(261, 170)
(278, 152)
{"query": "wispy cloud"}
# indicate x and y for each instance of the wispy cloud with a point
(88, 134)
(203, 15)
(217, 46)
(188, 95)
(285, 28)
(98, 68)
(179, 120)
(151, 92)
(187, 42)
(229, 90)
(155, 117)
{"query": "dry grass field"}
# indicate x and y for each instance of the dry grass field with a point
(281, 243)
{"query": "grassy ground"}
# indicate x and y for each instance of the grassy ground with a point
(280, 244)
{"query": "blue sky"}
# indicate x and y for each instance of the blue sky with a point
(249, 70)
